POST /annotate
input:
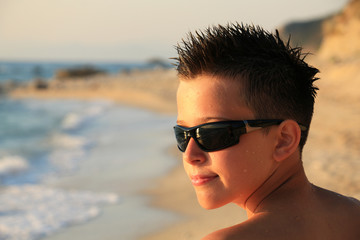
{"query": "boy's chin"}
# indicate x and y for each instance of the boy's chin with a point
(209, 203)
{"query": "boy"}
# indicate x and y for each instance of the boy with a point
(245, 103)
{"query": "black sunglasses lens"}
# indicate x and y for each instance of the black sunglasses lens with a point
(209, 137)
(216, 136)
(181, 138)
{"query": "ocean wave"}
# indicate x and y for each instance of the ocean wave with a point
(33, 211)
(71, 121)
(67, 153)
(66, 161)
(75, 120)
(62, 140)
(11, 165)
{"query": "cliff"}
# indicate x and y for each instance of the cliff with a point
(335, 37)
(341, 34)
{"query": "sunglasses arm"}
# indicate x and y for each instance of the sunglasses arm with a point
(250, 128)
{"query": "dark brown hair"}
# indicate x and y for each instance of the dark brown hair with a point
(276, 81)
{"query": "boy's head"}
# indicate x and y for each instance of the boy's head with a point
(276, 82)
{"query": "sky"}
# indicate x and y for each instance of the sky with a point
(131, 30)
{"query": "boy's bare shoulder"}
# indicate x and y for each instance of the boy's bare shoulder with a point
(334, 217)
(237, 232)
(340, 204)
(259, 227)
(353, 207)
(345, 209)
(341, 215)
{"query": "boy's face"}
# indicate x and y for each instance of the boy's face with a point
(232, 174)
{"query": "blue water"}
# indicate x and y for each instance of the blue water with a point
(25, 71)
(42, 142)
(31, 130)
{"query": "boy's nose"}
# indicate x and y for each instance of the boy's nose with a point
(193, 154)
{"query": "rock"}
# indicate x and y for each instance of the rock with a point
(84, 71)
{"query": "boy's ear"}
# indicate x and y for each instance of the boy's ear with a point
(287, 140)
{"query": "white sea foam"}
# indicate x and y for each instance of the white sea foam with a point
(96, 110)
(31, 211)
(65, 161)
(74, 120)
(10, 165)
(68, 141)
(68, 152)
(71, 120)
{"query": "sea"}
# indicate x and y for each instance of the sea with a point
(62, 162)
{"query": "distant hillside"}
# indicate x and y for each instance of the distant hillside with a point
(307, 34)
(335, 37)
(341, 39)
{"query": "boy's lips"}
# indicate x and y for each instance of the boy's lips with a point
(198, 180)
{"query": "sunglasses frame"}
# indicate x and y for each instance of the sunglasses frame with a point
(238, 128)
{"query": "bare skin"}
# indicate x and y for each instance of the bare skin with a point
(262, 174)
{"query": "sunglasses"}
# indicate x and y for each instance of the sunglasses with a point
(215, 136)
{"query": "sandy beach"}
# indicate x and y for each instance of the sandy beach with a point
(331, 156)
(154, 90)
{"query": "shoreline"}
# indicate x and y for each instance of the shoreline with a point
(125, 96)
(153, 90)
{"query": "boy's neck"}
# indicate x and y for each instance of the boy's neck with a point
(289, 179)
